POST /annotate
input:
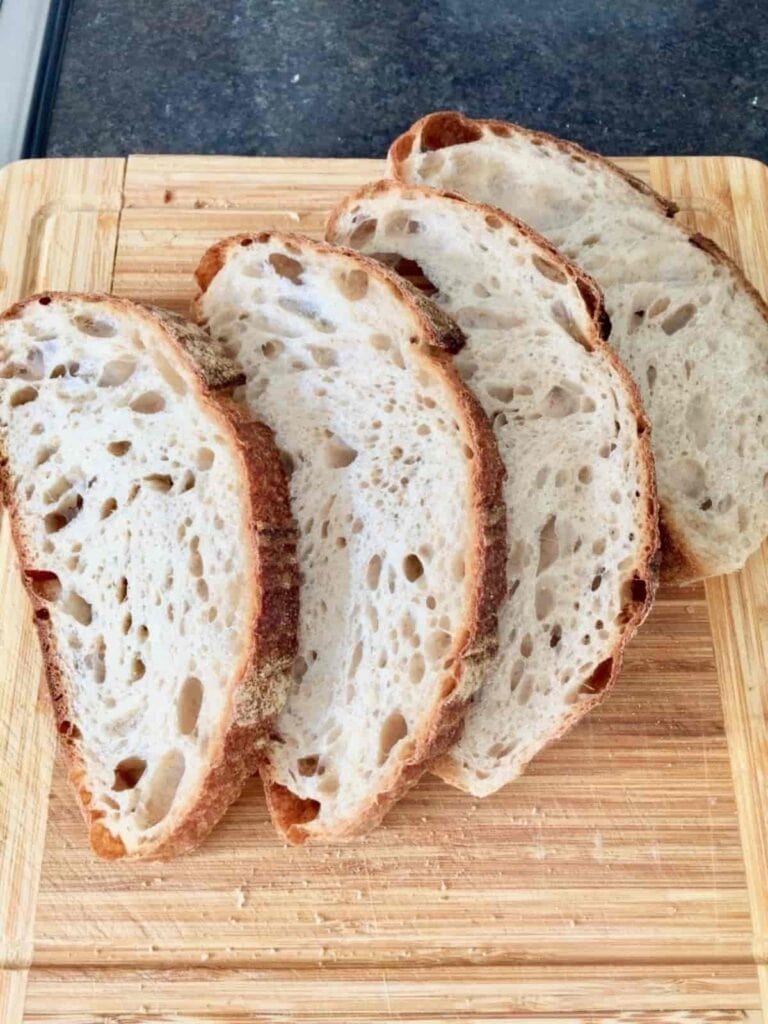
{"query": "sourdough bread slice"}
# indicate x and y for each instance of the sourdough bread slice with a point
(154, 533)
(686, 323)
(580, 497)
(396, 485)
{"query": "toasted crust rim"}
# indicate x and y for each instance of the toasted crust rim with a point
(274, 625)
(645, 572)
(477, 641)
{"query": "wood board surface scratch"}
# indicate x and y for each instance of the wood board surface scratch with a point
(607, 884)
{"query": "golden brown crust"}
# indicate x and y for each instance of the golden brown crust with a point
(262, 681)
(640, 593)
(437, 337)
(445, 128)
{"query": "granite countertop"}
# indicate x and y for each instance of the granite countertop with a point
(343, 77)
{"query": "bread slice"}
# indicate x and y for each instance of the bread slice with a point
(396, 485)
(688, 326)
(154, 533)
(580, 494)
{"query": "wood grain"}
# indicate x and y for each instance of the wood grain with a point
(730, 211)
(443, 994)
(608, 884)
(58, 229)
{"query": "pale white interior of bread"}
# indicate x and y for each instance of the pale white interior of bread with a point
(684, 325)
(576, 517)
(380, 490)
(130, 496)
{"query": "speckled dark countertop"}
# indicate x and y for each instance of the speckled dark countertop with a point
(342, 77)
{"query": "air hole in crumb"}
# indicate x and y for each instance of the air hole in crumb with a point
(393, 730)
(412, 568)
(544, 602)
(64, 514)
(100, 660)
(128, 773)
(45, 453)
(308, 765)
(57, 490)
(600, 678)
(353, 284)
(373, 573)
(272, 349)
(188, 705)
(149, 403)
(287, 267)
(437, 645)
(526, 646)
(416, 667)
(555, 634)
(562, 316)
(678, 319)
(549, 548)
(559, 403)
(298, 668)
(658, 306)
(108, 508)
(410, 270)
(517, 673)
(78, 608)
(116, 372)
(548, 270)
(23, 396)
(95, 327)
(163, 787)
(585, 475)
(339, 455)
(524, 692)
(195, 558)
(357, 657)
(118, 448)
(159, 482)
(635, 590)
(458, 568)
(138, 669)
(363, 233)
(502, 392)
(205, 458)
(323, 356)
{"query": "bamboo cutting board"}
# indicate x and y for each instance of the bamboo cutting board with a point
(625, 877)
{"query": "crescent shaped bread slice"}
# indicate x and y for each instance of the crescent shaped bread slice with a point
(152, 521)
(686, 323)
(580, 493)
(396, 485)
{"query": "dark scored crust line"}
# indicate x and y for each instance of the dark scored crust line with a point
(437, 338)
(645, 573)
(259, 685)
(680, 563)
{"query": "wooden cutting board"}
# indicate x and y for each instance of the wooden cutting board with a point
(625, 877)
